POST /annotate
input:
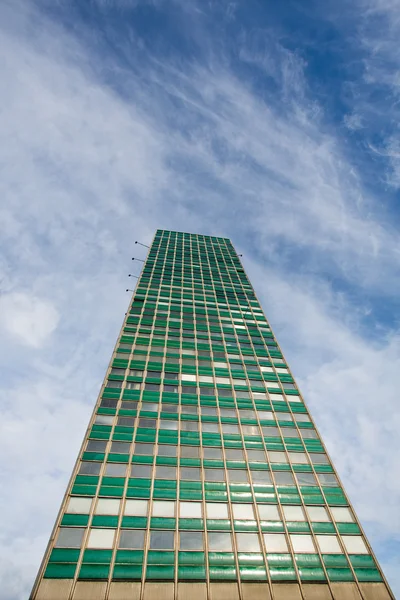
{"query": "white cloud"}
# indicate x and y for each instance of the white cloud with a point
(31, 320)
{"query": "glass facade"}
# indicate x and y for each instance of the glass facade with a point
(201, 462)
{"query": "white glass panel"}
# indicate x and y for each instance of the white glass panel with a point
(275, 542)
(281, 370)
(79, 506)
(243, 511)
(219, 542)
(163, 509)
(107, 507)
(277, 457)
(268, 512)
(136, 508)
(190, 510)
(266, 415)
(101, 538)
(318, 514)
(272, 384)
(225, 380)
(248, 542)
(188, 377)
(220, 365)
(216, 510)
(69, 537)
(104, 420)
(328, 544)
(267, 369)
(293, 513)
(206, 379)
(355, 544)
(342, 515)
(298, 458)
(302, 543)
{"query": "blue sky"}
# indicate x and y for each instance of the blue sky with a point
(272, 123)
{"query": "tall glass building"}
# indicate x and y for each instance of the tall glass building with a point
(202, 475)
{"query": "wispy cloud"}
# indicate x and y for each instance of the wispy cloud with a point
(106, 138)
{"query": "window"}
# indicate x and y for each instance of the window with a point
(293, 513)
(319, 459)
(190, 451)
(302, 543)
(167, 450)
(163, 509)
(107, 507)
(299, 458)
(69, 537)
(342, 515)
(131, 538)
(115, 470)
(248, 542)
(79, 506)
(256, 455)
(318, 514)
(355, 544)
(214, 474)
(232, 454)
(96, 446)
(101, 538)
(216, 510)
(141, 471)
(283, 478)
(219, 542)
(275, 542)
(104, 420)
(237, 476)
(162, 540)
(144, 449)
(268, 512)
(136, 508)
(191, 540)
(329, 544)
(163, 472)
(328, 479)
(306, 479)
(190, 510)
(243, 511)
(89, 468)
(277, 457)
(190, 474)
(120, 447)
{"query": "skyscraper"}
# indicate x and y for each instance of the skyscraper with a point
(202, 475)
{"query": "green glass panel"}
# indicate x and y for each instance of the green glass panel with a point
(83, 490)
(160, 572)
(368, 575)
(160, 558)
(218, 525)
(138, 493)
(250, 559)
(350, 528)
(164, 494)
(253, 573)
(282, 574)
(60, 571)
(97, 456)
(191, 524)
(108, 490)
(194, 572)
(64, 555)
(129, 556)
(241, 525)
(190, 495)
(127, 572)
(161, 523)
(298, 527)
(75, 520)
(191, 558)
(335, 560)
(135, 522)
(323, 527)
(221, 558)
(94, 571)
(222, 573)
(307, 560)
(362, 560)
(272, 526)
(340, 574)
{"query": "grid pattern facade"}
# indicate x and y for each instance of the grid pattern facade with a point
(201, 461)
